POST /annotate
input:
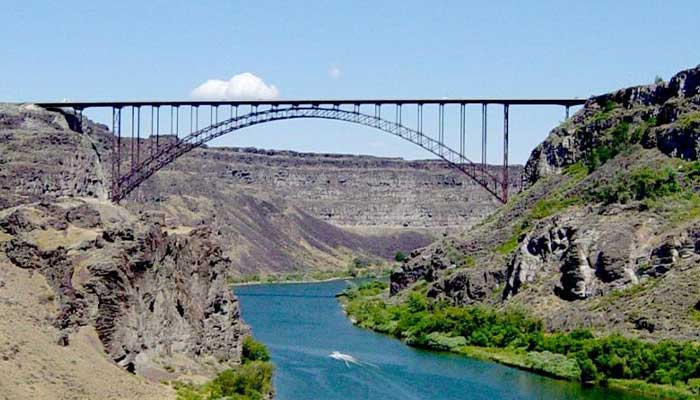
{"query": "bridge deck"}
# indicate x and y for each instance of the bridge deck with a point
(157, 103)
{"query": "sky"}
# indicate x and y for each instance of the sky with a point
(179, 50)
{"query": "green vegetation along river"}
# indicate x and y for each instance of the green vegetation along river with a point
(319, 354)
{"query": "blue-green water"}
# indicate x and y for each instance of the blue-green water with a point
(302, 324)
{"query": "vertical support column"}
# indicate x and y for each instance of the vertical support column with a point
(157, 128)
(119, 142)
(567, 112)
(131, 155)
(441, 124)
(484, 130)
(462, 132)
(505, 153)
(138, 134)
(116, 144)
(419, 120)
(150, 139)
(177, 121)
(377, 114)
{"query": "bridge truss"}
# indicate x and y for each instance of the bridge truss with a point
(149, 149)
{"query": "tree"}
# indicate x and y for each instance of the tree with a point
(254, 350)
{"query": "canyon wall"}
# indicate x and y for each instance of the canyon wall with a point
(349, 190)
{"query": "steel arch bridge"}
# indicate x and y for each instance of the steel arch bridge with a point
(136, 159)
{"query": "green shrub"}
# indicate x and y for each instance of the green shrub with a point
(554, 364)
(442, 341)
(399, 257)
(689, 121)
(254, 350)
(577, 170)
(428, 323)
(547, 207)
(694, 385)
(251, 381)
(619, 139)
(468, 262)
(643, 183)
(508, 246)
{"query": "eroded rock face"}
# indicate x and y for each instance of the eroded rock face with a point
(664, 103)
(468, 286)
(149, 294)
(42, 158)
(590, 254)
(422, 265)
(344, 190)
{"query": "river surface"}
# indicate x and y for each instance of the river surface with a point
(302, 324)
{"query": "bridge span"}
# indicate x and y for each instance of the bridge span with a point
(147, 148)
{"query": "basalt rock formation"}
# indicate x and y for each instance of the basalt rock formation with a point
(42, 158)
(155, 299)
(344, 190)
(666, 104)
(605, 237)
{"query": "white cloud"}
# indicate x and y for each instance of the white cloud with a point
(245, 86)
(334, 72)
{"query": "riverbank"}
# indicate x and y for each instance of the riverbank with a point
(520, 360)
(659, 371)
(303, 325)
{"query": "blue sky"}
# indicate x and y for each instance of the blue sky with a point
(95, 50)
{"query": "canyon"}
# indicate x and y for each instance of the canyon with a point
(143, 285)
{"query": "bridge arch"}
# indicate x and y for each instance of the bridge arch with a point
(165, 154)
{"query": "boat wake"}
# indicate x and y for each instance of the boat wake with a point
(348, 359)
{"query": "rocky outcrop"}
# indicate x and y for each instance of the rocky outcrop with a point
(152, 297)
(672, 111)
(468, 286)
(423, 264)
(591, 246)
(42, 158)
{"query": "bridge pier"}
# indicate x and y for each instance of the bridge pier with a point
(505, 153)
(484, 133)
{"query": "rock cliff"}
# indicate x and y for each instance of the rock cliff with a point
(42, 158)
(344, 190)
(606, 235)
(158, 301)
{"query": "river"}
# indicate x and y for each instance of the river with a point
(302, 324)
